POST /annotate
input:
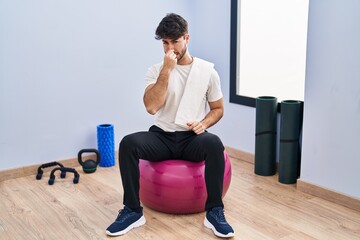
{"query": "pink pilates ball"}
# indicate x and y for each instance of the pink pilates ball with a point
(176, 186)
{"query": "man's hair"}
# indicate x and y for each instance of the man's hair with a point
(172, 26)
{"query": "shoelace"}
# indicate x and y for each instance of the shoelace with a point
(219, 215)
(123, 215)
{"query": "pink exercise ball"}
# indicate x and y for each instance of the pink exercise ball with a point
(176, 186)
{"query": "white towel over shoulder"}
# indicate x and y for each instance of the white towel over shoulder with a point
(195, 89)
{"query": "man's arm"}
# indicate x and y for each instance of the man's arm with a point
(214, 115)
(155, 94)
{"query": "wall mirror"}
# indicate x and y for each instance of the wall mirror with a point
(268, 49)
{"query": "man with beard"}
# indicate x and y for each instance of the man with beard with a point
(184, 94)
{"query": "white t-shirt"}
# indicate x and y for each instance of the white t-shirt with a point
(165, 117)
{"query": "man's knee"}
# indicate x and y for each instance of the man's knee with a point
(129, 141)
(212, 142)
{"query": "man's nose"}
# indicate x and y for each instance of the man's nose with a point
(170, 47)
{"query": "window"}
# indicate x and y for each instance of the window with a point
(268, 49)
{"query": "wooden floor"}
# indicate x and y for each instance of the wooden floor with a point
(257, 208)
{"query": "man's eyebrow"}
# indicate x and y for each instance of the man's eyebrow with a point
(169, 40)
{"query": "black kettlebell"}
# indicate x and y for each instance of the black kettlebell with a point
(89, 166)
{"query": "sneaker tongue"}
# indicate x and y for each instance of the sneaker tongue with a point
(217, 208)
(127, 209)
(124, 211)
(123, 214)
(219, 213)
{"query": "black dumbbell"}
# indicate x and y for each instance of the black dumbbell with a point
(50, 164)
(64, 170)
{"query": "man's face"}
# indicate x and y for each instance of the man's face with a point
(179, 46)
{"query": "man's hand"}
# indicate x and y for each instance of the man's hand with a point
(196, 127)
(170, 60)
(155, 94)
(214, 115)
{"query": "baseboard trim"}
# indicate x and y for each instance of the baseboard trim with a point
(303, 186)
(73, 162)
(32, 169)
(240, 155)
(328, 194)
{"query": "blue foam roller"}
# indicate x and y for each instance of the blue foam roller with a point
(105, 142)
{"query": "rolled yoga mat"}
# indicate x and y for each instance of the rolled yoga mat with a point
(265, 135)
(289, 150)
(105, 142)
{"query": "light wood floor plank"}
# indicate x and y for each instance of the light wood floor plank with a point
(258, 208)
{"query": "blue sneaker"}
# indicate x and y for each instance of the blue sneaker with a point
(215, 220)
(126, 220)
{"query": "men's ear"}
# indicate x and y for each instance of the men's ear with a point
(187, 38)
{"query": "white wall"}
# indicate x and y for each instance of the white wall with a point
(67, 66)
(332, 97)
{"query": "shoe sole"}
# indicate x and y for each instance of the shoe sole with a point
(209, 225)
(136, 224)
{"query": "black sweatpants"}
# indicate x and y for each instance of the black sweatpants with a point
(158, 145)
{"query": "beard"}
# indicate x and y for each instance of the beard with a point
(182, 54)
